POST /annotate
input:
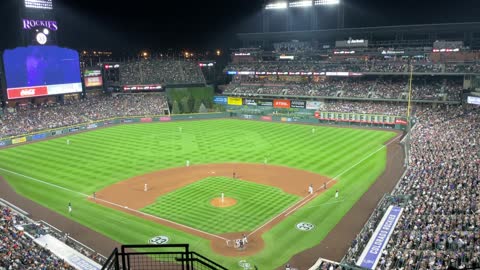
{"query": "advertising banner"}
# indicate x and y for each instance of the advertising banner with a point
(267, 118)
(281, 103)
(317, 115)
(165, 119)
(249, 101)
(265, 103)
(39, 136)
(284, 119)
(146, 120)
(235, 101)
(93, 81)
(127, 120)
(220, 100)
(4, 143)
(297, 104)
(19, 140)
(90, 126)
(27, 92)
(372, 252)
(313, 105)
(401, 122)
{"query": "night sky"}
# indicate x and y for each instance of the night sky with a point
(107, 24)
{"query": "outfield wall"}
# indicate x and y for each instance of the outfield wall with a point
(104, 123)
(249, 113)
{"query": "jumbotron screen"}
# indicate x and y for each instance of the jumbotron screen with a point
(39, 4)
(93, 77)
(41, 71)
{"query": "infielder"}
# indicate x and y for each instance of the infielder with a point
(188, 163)
(70, 208)
(310, 189)
(336, 194)
(265, 160)
(244, 238)
(145, 188)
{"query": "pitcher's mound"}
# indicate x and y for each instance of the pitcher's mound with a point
(227, 202)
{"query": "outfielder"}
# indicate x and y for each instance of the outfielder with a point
(68, 142)
(336, 194)
(188, 163)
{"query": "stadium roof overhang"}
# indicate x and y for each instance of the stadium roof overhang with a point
(329, 35)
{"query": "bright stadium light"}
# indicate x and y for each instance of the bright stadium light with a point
(326, 2)
(278, 5)
(303, 3)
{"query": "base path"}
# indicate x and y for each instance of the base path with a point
(130, 196)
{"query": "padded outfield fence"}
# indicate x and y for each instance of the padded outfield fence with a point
(169, 256)
(248, 114)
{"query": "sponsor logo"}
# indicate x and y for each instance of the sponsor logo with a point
(281, 103)
(305, 226)
(27, 92)
(146, 120)
(92, 126)
(235, 101)
(219, 100)
(297, 104)
(165, 119)
(248, 101)
(400, 122)
(19, 140)
(267, 118)
(3, 143)
(266, 103)
(159, 240)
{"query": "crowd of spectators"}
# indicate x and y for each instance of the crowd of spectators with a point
(356, 65)
(440, 224)
(156, 71)
(47, 116)
(18, 251)
(368, 107)
(362, 87)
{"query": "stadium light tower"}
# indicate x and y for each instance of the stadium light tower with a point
(280, 5)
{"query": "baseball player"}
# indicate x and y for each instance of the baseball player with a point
(313, 130)
(265, 160)
(244, 239)
(68, 142)
(94, 195)
(188, 163)
(70, 208)
(336, 194)
(145, 188)
(234, 175)
(310, 189)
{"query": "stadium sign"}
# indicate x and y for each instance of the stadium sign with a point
(281, 103)
(372, 252)
(297, 104)
(29, 24)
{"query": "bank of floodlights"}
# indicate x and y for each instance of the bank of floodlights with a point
(301, 3)
(277, 5)
(326, 2)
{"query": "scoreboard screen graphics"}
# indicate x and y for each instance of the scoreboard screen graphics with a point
(41, 71)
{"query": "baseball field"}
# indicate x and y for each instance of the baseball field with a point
(243, 177)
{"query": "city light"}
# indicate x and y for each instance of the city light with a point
(326, 2)
(278, 5)
(219, 52)
(302, 3)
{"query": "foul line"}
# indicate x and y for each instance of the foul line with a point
(111, 203)
(308, 198)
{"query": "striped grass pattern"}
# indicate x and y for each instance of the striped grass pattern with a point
(191, 206)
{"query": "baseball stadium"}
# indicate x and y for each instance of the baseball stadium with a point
(305, 147)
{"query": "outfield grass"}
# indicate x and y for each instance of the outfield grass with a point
(191, 206)
(102, 157)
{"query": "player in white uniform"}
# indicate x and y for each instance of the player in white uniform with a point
(145, 187)
(310, 189)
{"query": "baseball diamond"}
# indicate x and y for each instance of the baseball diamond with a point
(272, 198)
